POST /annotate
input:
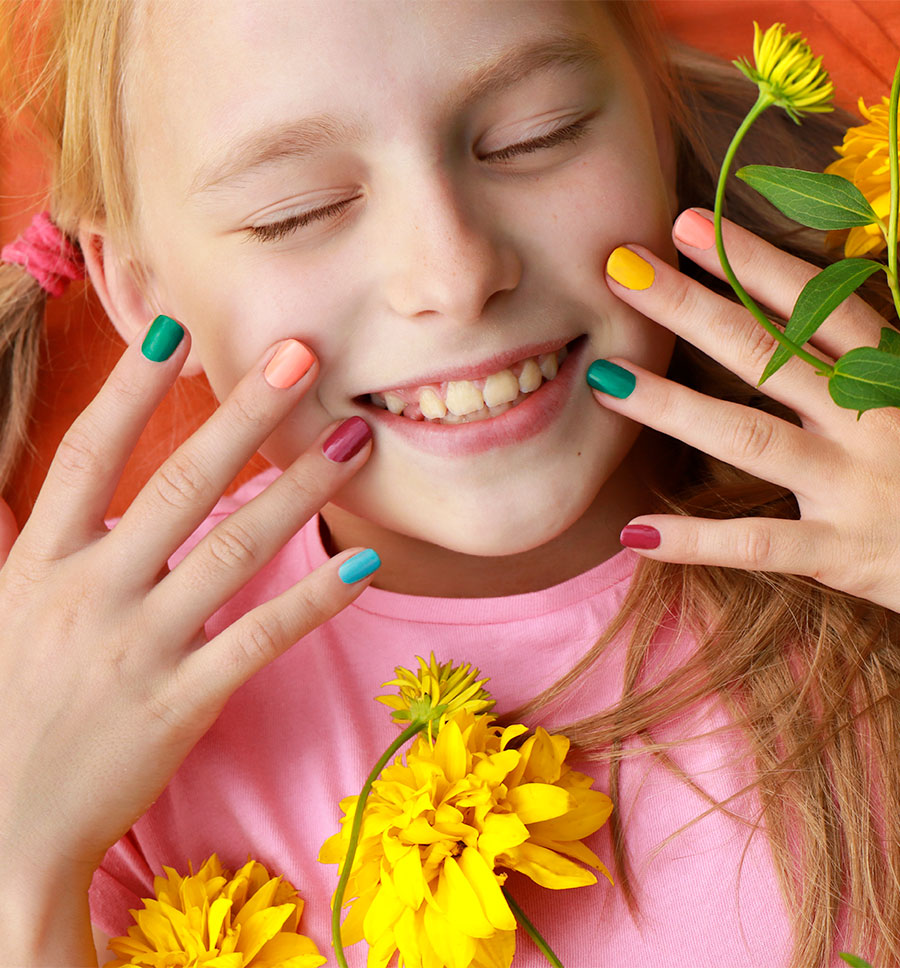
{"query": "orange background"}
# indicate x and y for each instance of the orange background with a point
(860, 43)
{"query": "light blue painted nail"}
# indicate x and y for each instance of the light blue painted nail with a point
(360, 566)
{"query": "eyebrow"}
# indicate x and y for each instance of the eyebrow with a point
(307, 136)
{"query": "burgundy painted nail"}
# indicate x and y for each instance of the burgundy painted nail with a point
(347, 440)
(639, 536)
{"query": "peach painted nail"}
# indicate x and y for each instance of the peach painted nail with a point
(291, 361)
(694, 230)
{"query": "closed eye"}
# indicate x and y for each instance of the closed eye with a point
(571, 132)
(278, 230)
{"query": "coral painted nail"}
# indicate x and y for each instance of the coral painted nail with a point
(289, 365)
(694, 230)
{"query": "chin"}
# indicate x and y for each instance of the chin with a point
(502, 522)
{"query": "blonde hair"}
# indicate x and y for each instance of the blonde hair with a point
(813, 681)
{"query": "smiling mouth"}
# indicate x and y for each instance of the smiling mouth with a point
(468, 401)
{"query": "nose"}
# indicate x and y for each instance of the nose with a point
(445, 255)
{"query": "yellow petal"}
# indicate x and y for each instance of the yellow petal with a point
(496, 952)
(458, 900)
(408, 939)
(289, 951)
(545, 755)
(547, 868)
(450, 752)
(408, 880)
(218, 912)
(502, 832)
(533, 802)
(590, 810)
(386, 907)
(483, 881)
(260, 928)
(457, 948)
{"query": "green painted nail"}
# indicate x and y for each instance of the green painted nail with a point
(162, 338)
(609, 378)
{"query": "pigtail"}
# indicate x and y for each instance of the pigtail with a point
(22, 307)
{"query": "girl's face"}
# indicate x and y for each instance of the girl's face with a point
(425, 194)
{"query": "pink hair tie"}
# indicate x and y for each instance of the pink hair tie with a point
(46, 254)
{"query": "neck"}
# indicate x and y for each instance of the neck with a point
(415, 567)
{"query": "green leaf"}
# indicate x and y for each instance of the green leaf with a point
(890, 341)
(854, 960)
(820, 297)
(866, 378)
(810, 197)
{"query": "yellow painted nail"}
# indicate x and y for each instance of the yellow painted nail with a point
(629, 269)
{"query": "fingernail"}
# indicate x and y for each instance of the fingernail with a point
(360, 566)
(610, 378)
(639, 536)
(347, 440)
(291, 361)
(162, 339)
(693, 229)
(628, 269)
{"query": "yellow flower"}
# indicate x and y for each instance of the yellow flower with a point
(786, 72)
(864, 161)
(435, 693)
(216, 919)
(438, 831)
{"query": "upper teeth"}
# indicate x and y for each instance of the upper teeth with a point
(472, 399)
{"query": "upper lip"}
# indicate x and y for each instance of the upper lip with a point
(477, 371)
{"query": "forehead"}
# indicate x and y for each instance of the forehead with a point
(207, 68)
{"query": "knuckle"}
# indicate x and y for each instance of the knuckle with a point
(302, 490)
(751, 436)
(245, 412)
(124, 392)
(180, 482)
(77, 457)
(755, 547)
(231, 545)
(259, 640)
(680, 300)
(759, 346)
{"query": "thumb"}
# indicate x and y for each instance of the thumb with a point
(9, 530)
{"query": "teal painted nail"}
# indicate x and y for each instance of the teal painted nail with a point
(609, 378)
(360, 566)
(162, 338)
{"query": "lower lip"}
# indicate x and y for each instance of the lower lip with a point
(533, 415)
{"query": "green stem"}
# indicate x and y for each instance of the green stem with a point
(762, 102)
(895, 188)
(532, 931)
(337, 903)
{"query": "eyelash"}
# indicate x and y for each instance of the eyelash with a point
(278, 230)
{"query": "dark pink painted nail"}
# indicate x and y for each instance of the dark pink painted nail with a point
(639, 536)
(347, 440)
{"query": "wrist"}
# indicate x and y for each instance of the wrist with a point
(45, 922)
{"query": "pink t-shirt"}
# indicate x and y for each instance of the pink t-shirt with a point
(267, 778)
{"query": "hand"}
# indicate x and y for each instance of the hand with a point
(106, 676)
(844, 473)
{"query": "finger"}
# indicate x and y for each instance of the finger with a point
(9, 530)
(775, 279)
(757, 442)
(234, 551)
(214, 671)
(188, 484)
(719, 327)
(751, 544)
(80, 482)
